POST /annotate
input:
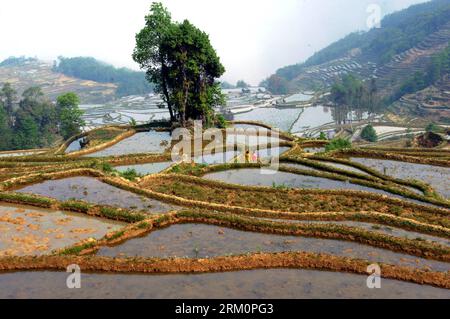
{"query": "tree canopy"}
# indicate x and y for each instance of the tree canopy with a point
(34, 121)
(180, 60)
(128, 82)
(369, 134)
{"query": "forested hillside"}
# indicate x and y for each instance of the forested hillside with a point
(129, 82)
(401, 55)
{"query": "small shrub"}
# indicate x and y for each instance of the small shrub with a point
(130, 174)
(221, 122)
(369, 134)
(338, 144)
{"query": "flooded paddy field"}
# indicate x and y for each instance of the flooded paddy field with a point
(335, 165)
(205, 241)
(75, 146)
(145, 169)
(253, 177)
(271, 152)
(314, 150)
(143, 142)
(26, 230)
(437, 177)
(282, 118)
(216, 158)
(253, 284)
(17, 154)
(242, 138)
(382, 229)
(94, 191)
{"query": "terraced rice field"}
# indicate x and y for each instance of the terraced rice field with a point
(218, 227)
(438, 177)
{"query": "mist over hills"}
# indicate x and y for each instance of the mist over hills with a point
(406, 45)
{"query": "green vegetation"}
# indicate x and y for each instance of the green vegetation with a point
(276, 84)
(432, 127)
(369, 134)
(227, 86)
(69, 115)
(241, 84)
(180, 60)
(34, 122)
(323, 136)
(439, 66)
(351, 93)
(16, 61)
(338, 144)
(130, 174)
(129, 82)
(399, 32)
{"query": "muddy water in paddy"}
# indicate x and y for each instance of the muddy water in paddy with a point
(144, 142)
(203, 241)
(74, 146)
(314, 150)
(94, 191)
(253, 177)
(215, 158)
(146, 169)
(396, 232)
(253, 284)
(17, 154)
(27, 230)
(282, 118)
(437, 177)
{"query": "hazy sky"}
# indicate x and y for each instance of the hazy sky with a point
(252, 37)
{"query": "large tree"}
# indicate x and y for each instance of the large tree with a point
(69, 115)
(180, 60)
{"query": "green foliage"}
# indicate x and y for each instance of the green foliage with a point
(220, 121)
(338, 144)
(106, 167)
(129, 82)
(180, 60)
(369, 134)
(322, 136)
(70, 116)
(227, 86)
(432, 127)
(276, 84)
(130, 174)
(241, 84)
(15, 61)
(35, 122)
(400, 31)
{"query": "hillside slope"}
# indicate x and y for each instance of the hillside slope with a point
(24, 73)
(404, 45)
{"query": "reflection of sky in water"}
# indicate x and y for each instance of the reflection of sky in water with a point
(276, 117)
(74, 146)
(144, 142)
(313, 117)
(203, 241)
(437, 177)
(253, 177)
(94, 191)
(145, 169)
(253, 284)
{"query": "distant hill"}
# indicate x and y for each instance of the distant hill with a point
(128, 82)
(101, 84)
(405, 45)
